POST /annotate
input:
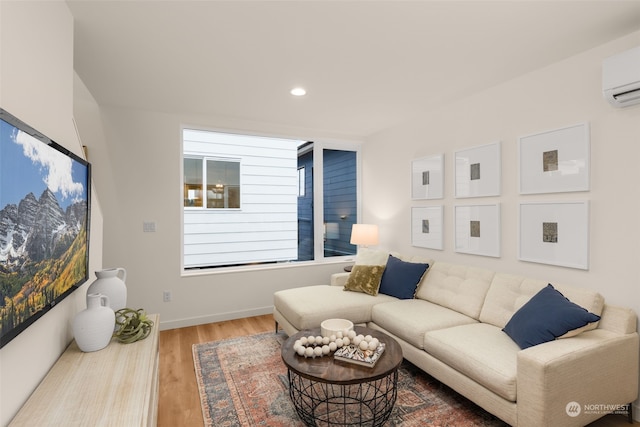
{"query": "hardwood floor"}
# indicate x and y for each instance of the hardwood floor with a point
(179, 402)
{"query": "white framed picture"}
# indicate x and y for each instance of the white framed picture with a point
(555, 161)
(555, 233)
(477, 229)
(427, 227)
(478, 171)
(427, 178)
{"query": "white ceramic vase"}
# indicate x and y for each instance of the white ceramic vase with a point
(111, 282)
(93, 327)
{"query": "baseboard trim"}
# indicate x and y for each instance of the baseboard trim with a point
(212, 318)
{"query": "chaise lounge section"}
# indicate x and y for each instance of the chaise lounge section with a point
(470, 328)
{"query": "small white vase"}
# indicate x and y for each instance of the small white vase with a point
(110, 282)
(93, 327)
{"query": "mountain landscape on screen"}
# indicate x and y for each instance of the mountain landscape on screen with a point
(37, 236)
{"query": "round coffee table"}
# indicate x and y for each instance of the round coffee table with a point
(329, 392)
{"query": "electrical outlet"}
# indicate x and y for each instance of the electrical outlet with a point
(166, 296)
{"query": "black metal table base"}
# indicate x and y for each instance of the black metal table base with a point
(321, 404)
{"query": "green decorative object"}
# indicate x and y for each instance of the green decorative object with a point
(132, 325)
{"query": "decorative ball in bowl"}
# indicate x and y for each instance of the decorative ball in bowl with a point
(333, 326)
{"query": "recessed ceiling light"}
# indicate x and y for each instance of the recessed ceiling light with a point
(298, 91)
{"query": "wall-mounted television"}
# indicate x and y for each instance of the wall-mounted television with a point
(44, 224)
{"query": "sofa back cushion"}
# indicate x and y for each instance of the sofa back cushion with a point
(412, 258)
(366, 256)
(458, 287)
(510, 292)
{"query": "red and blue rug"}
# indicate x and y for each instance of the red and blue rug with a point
(243, 382)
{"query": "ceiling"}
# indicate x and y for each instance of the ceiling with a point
(366, 65)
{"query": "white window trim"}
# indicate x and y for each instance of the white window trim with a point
(318, 191)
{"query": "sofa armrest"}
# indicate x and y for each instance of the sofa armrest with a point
(597, 367)
(618, 319)
(339, 279)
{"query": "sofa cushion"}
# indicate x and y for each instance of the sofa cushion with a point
(366, 256)
(308, 306)
(365, 278)
(411, 319)
(509, 292)
(400, 278)
(480, 351)
(457, 287)
(545, 317)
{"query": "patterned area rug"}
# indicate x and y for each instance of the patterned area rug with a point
(243, 382)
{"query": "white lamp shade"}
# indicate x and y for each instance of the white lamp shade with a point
(364, 234)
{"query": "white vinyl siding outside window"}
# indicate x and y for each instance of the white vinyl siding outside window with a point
(252, 192)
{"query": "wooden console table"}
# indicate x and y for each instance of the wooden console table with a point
(115, 386)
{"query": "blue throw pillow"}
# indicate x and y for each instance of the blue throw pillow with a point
(545, 317)
(400, 279)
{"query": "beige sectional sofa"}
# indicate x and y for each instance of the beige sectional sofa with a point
(453, 330)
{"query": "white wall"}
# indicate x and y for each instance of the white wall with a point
(36, 85)
(563, 94)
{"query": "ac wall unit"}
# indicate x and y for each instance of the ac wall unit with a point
(621, 78)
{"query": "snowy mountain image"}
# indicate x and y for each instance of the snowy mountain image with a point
(43, 227)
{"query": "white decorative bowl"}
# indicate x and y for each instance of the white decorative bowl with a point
(331, 326)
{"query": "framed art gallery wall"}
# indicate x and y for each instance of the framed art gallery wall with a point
(549, 162)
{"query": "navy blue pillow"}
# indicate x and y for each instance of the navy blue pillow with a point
(400, 279)
(545, 317)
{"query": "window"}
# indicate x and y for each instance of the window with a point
(301, 181)
(252, 200)
(222, 178)
(192, 182)
(223, 184)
